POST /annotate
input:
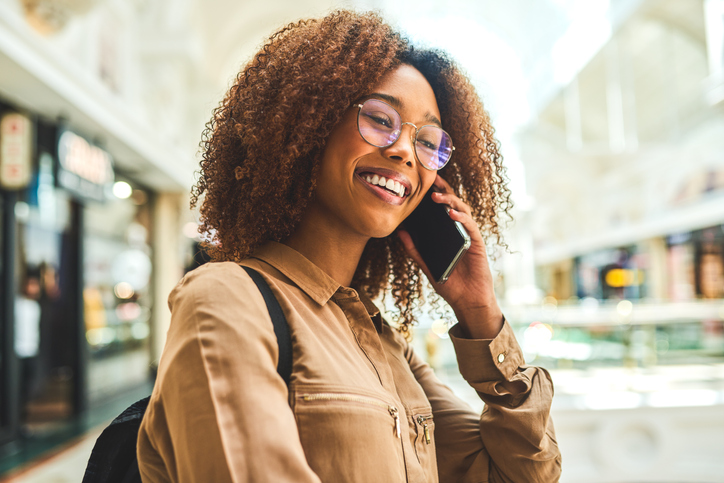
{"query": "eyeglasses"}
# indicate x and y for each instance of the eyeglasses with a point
(381, 125)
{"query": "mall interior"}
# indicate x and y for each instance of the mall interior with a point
(610, 117)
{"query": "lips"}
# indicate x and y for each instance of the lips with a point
(390, 186)
(390, 180)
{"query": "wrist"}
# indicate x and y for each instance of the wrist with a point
(480, 322)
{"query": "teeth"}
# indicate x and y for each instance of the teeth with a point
(390, 184)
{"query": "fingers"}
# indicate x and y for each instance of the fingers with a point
(468, 223)
(447, 196)
(451, 201)
(442, 185)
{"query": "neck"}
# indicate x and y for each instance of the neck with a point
(337, 252)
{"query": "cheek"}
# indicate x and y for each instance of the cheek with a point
(427, 178)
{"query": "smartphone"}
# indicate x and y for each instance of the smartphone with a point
(441, 241)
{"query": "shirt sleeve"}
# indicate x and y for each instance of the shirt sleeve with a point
(513, 440)
(220, 410)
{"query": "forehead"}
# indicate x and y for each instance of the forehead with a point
(415, 95)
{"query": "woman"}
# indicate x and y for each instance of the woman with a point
(291, 177)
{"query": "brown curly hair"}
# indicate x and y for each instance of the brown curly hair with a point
(263, 145)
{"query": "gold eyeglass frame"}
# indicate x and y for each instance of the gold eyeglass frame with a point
(413, 138)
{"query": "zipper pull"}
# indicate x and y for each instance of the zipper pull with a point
(393, 412)
(425, 428)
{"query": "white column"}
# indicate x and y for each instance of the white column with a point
(714, 18)
(572, 105)
(168, 265)
(657, 282)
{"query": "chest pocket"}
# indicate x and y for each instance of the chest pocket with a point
(425, 439)
(348, 433)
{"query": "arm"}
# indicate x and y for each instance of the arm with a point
(513, 440)
(218, 392)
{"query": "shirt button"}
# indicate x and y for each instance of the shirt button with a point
(501, 357)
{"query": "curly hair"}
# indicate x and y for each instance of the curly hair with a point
(262, 148)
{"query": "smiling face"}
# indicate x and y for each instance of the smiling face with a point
(349, 191)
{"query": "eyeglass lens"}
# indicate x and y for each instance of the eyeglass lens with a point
(380, 125)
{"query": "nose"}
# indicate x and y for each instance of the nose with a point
(404, 148)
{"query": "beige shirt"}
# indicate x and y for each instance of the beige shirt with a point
(361, 405)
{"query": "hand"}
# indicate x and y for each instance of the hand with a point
(469, 289)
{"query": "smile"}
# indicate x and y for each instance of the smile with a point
(388, 185)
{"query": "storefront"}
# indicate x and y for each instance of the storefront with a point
(76, 276)
(696, 264)
(619, 273)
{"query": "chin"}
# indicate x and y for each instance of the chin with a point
(382, 233)
(380, 226)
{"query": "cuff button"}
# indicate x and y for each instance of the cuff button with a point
(501, 357)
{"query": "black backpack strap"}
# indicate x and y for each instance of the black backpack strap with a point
(281, 327)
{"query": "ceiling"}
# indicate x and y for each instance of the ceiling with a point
(499, 43)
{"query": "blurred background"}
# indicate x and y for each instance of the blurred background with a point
(611, 119)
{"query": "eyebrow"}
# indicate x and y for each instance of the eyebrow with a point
(397, 104)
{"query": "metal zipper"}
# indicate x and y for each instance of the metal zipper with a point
(358, 399)
(422, 421)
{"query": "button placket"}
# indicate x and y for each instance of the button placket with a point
(366, 336)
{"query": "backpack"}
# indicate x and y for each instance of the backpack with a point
(113, 459)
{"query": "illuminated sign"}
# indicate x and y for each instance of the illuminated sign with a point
(16, 150)
(84, 169)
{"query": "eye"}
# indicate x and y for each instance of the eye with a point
(431, 145)
(379, 118)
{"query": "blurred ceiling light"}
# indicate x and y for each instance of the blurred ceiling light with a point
(100, 336)
(122, 190)
(128, 311)
(22, 211)
(624, 308)
(191, 230)
(140, 330)
(589, 304)
(123, 290)
(550, 300)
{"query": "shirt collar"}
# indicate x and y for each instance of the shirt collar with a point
(307, 276)
(373, 311)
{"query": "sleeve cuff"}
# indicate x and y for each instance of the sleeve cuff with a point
(487, 360)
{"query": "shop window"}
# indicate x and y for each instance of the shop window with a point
(117, 290)
(43, 323)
